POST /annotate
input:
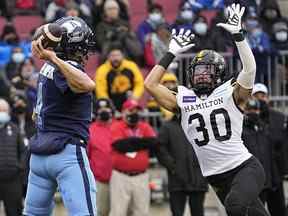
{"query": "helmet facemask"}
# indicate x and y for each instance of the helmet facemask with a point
(206, 72)
(203, 77)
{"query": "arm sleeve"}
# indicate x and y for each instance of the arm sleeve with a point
(101, 89)
(246, 77)
(138, 89)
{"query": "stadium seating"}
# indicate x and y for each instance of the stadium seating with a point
(25, 24)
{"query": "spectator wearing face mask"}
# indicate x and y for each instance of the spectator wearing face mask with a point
(184, 18)
(149, 25)
(118, 78)
(280, 34)
(277, 137)
(12, 154)
(156, 45)
(269, 13)
(279, 62)
(260, 44)
(129, 183)
(99, 152)
(13, 66)
(202, 37)
(29, 77)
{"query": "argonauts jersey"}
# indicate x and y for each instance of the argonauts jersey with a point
(59, 109)
(214, 127)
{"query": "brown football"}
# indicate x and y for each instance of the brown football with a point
(50, 34)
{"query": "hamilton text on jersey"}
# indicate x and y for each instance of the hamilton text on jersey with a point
(206, 104)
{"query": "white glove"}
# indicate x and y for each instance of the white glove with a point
(180, 42)
(234, 24)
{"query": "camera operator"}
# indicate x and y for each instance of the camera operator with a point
(276, 133)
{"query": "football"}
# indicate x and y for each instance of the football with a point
(50, 34)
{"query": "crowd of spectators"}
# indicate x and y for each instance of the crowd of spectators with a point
(123, 51)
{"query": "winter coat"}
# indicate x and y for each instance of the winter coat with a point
(177, 155)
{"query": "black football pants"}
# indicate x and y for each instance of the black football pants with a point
(239, 189)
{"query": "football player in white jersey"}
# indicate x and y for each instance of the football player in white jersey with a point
(211, 116)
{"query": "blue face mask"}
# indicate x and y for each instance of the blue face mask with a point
(257, 32)
(4, 118)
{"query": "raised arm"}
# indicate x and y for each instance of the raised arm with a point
(246, 78)
(179, 43)
(78, 81)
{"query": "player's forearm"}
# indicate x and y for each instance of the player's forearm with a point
(77, 80)
(152, 84)
(246, 77)
(154, 77)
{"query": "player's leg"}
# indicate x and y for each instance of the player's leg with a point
(257, 208)
(120, 194)
(75, 180)
(141, 194)
(177, 200)
(40, 190)
(196, 203)
(245, 189)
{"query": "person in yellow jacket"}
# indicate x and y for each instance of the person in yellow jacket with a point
(118, 78)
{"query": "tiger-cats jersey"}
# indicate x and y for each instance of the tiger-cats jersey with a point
(214, 127)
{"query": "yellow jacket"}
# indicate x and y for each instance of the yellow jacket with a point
(110, 81)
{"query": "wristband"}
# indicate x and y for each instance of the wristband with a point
(238, 37)
(166, 60)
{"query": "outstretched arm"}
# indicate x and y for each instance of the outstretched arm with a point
(246, 78)
(179, 43)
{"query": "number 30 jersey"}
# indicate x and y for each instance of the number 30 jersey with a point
(214, 127)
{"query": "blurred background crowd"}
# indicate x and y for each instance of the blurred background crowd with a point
(132, 36)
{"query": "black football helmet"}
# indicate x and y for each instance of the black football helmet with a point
(206, 71)
(77, 38)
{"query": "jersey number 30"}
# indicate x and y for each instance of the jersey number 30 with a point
(202, 127)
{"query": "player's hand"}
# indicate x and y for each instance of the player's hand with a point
(41, 53)
(234, 24)
(181, 42)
